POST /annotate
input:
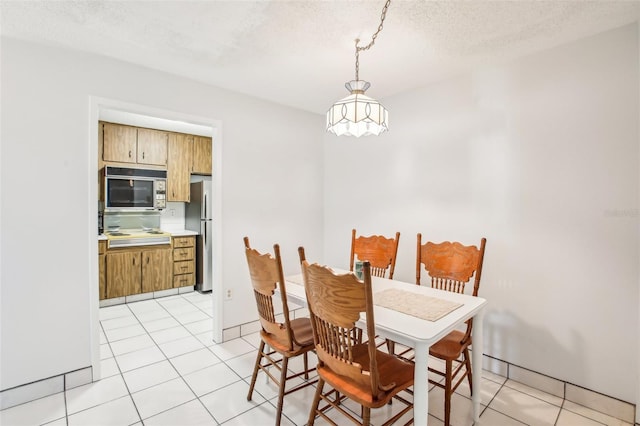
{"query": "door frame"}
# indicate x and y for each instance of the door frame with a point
(96, 105)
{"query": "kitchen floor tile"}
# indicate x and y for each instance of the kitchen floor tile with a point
(493, 418)
(567, 418)
(232, 349)
(243, 365)
(118, 412)
(105, 351)
(201, 326)
(144, 306)
(40, 411)
(124, 332)
(162, 397)
(230, 401)
(593, 414)
(206, 338)
(131, 344)
(191, 316)
(108, 368)
(149, 375)
(140, 358)
(194, 361)
(95, 393)
(111, 312)
(180, 346)
(191, 413)
(211, 378)
(119, 322)
(169, 334)
(156, 314)
(160, 324)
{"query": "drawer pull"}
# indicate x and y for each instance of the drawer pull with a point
(183, 254)
(184, 267)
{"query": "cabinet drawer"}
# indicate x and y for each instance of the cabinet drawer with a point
(184, 241)
(187, 267)
(184, 280)
(184, 253)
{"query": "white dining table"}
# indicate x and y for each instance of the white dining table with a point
(418, 333)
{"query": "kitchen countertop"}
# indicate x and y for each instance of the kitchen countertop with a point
(173, 232)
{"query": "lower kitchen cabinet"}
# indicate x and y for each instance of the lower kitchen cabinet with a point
(124, 273)
(102, 265)
(134, 271)
(156, 270)
(184, 263)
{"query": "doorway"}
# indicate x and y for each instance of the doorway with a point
(102, 109)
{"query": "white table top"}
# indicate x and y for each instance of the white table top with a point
(400, 327)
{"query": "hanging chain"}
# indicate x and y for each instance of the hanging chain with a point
(373, 38)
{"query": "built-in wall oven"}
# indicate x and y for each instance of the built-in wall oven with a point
(128, 189)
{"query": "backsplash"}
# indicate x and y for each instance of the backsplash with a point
(172, 218)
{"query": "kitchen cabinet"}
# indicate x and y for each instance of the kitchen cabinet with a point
(201, 155)
(102, 274)
(152, 147)
(138, 270)
(127, 144)
(184, 263)
(179, 167)
(156, 270)
(124, 273)
(119, 143)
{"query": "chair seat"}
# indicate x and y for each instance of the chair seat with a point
(302, 332)
(449, 347)
(390, 368)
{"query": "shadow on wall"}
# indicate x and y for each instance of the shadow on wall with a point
(508, 338)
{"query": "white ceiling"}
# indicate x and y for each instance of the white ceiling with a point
(300, 53)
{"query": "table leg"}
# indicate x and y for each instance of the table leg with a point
(476, 362)
(421, 385)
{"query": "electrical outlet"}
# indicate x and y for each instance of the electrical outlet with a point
(228, 295)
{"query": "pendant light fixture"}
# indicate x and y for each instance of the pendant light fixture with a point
(357, 114)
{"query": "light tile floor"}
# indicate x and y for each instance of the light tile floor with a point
(161, 367)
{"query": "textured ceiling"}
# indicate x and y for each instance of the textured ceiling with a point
(300, 53)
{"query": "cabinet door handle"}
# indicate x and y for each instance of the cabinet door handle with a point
(147, 260)
(129, 153)
(143, 155)
(134, 260)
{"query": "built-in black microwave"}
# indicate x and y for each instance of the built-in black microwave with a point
(129, 189)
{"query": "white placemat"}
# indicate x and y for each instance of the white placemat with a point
(417, 305)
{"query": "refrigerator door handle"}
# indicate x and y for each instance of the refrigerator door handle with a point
(205, 233)
(205, 207)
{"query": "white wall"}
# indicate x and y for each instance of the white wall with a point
(271, 181)
(540, 156)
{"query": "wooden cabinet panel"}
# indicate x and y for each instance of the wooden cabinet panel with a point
(201, 155)
(119, 143)
(152, 147)
(184, 280)
(102, 265)
(184, 241)
(178, 167)
(156, 270)
(124, 273)
(186, 267)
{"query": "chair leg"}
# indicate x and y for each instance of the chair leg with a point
(255, 370)
(366, 416)
(283, 382)
(467, 363)
(306, 365)
(391, 347)
(447, 392)
(316, 402)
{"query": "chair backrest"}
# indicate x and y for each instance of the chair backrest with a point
(335, 303)
(266, 274)
(379, 251)
(450, 265)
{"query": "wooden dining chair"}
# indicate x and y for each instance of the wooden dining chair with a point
(379, 251)
(451, 266)
(358, 371)
(288, 338)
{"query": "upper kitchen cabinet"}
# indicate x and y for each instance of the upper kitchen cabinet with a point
(201, 155)
(179, 167)
(126, 144)
(152, 147)
(119, 143)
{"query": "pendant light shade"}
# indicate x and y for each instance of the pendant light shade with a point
(357, 114)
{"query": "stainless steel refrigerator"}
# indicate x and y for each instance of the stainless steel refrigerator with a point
(198, 219)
